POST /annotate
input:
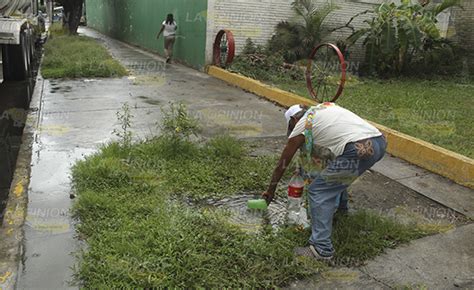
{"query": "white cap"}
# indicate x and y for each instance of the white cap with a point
(293, 110)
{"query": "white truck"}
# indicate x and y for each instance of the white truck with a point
(19, 31)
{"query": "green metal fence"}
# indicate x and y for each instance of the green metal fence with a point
(138, 22)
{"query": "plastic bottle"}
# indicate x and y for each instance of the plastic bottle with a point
(296, 211)
(257, 204)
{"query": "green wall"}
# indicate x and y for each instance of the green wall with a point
(138, 22)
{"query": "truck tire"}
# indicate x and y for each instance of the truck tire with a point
(16, 66)
(28, 54)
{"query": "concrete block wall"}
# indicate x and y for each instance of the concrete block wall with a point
(462, 33)
(256, 19)
(463, 23)
(338, 18)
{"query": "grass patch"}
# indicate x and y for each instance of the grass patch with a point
(364, 235)
(139, 234)
(56, 29)
(68, 56)
(436, 110)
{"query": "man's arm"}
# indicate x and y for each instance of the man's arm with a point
(286, 156)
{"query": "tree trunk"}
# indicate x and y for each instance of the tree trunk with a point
(72, 14)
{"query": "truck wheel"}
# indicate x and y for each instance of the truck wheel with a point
(15, 61)
(26, 53)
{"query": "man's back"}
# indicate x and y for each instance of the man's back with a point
(334, 127)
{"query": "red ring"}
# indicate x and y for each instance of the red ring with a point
(309, 83)
(217, 47)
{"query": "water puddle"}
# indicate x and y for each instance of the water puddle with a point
(60, 89)
(250, 220)
(150, 101)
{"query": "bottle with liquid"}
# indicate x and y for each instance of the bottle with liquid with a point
(296, 211)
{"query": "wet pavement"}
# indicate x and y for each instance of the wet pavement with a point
(77, 116)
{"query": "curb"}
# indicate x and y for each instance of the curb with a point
(11, 231)
(441, 161)
(278, 96)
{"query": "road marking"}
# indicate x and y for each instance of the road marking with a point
(19, 189)
(4, 278)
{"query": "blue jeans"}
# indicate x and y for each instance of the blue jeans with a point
(328, 190)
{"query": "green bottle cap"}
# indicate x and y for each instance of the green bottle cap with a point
(257, 204)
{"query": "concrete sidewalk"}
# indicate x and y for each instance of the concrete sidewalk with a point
(76, 117)
(443, 261)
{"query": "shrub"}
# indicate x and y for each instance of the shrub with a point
(398, 36)
(295, 40)
(260, 63)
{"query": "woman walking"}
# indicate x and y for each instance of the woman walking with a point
(168, 28)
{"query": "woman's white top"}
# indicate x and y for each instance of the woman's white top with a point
(170, 29)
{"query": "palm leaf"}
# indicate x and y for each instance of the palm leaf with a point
(320, 15)
(445, 5)
(411, 30)
(428, 25)
(388, 38)
(352, 39)
(304, 7)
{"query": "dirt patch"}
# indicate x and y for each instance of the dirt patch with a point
(376, 192)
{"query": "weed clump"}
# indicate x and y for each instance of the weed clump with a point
(226, 147)
(124, 116)
(177, 124)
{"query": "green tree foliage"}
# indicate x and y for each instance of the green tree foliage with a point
(296, 39)
(399, 35)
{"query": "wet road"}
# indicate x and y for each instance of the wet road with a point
(77, 116)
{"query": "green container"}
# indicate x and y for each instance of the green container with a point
(257, 204)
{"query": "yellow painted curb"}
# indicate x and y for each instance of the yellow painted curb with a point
(449, 164)
(281, 97)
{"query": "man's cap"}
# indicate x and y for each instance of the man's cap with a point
(293, 110)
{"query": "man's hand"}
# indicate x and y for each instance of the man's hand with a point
(285, 159)
(268, 196)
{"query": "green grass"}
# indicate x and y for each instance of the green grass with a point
(437, 111)
(67, 56)
(140, 234)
